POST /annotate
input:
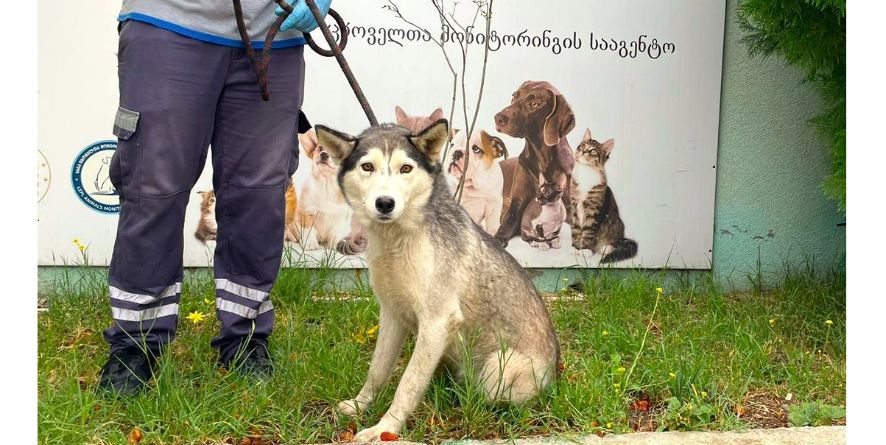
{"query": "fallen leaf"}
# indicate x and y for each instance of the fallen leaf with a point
(640, 405)
(388, 437)
(344, 436)
(740, 410)
(600, 433)
(135, 436)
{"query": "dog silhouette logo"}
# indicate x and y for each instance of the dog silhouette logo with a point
(91, 177)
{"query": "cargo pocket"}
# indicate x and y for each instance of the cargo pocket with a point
(124, 171)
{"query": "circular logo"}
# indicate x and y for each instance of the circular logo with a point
(44, 176)
(91, 177)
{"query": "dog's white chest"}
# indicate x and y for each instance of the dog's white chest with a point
(398, 274)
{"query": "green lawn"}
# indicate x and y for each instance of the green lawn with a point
(710, 360)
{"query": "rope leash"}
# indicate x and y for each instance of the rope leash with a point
(262, 63)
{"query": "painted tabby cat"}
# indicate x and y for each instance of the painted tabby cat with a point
(596, 224)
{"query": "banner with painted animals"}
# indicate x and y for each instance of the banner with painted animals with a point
(582, 134)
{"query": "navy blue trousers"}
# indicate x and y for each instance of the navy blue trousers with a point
(177, 96)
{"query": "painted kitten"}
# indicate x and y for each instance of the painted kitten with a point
(596, 224)
(543, 217)
(207, 226)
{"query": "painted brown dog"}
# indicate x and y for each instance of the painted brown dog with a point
(539, 114)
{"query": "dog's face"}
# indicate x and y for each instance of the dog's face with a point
(592, 153)
(416, 124)
(484, 151)
(536, 107)
(387, 173)
(322, 167)
(548, 193)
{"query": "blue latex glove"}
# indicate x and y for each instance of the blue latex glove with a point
(301, 18)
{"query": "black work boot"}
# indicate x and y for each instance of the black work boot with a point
(127, 371)
(251, 359)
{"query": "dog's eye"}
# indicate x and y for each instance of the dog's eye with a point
(367, 167)
(476, 149)
(533, 104)
(405, 169)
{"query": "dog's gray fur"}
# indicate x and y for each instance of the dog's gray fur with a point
(437, 274)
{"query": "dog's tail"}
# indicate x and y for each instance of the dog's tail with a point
(622, 250)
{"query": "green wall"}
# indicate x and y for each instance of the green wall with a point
(771, 162)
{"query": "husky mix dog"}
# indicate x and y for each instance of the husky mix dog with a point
(438, 275)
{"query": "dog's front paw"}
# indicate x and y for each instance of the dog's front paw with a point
(351, 407)
(373, 434)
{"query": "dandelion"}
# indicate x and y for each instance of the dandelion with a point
(372, 332)
(604, 333)
(659, 290)
(609, 425)
(76, 241)
(621, 370)
(672, 375)
(704, 395)
(196, 317)
(616, 385)
(771, 322)
(828, 322)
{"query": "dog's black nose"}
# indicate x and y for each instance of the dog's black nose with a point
(384, 204)
(324, 156)
(458, 154)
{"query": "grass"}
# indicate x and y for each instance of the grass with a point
(711, 360)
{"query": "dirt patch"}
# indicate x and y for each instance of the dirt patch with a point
(762, 409)
(644, 413)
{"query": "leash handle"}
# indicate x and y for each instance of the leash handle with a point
(336, 51)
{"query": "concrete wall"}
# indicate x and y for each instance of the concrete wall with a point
(771, 164)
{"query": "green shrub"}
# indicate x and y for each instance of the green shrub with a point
(811, 35)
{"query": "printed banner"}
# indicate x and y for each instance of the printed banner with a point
(594, 143)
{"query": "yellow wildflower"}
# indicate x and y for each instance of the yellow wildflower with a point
(828, 322)
(771, 322)
(621, 370)
(672, 375)
(659, 290)
(617, 385)
(196, 317)
(76, 241)
(704, 395)
(604, 333)
(371, 333)
(359, 338)
(609, 425)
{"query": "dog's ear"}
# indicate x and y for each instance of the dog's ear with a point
(560, 122)
(308, 143)
(436, 115)
(402, 117)
(608, 146)
(501, 150)
(495, 144)
(339, 145)
(430, 141)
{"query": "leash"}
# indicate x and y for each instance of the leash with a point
(261, 64)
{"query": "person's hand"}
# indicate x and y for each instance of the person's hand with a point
(301, 18)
